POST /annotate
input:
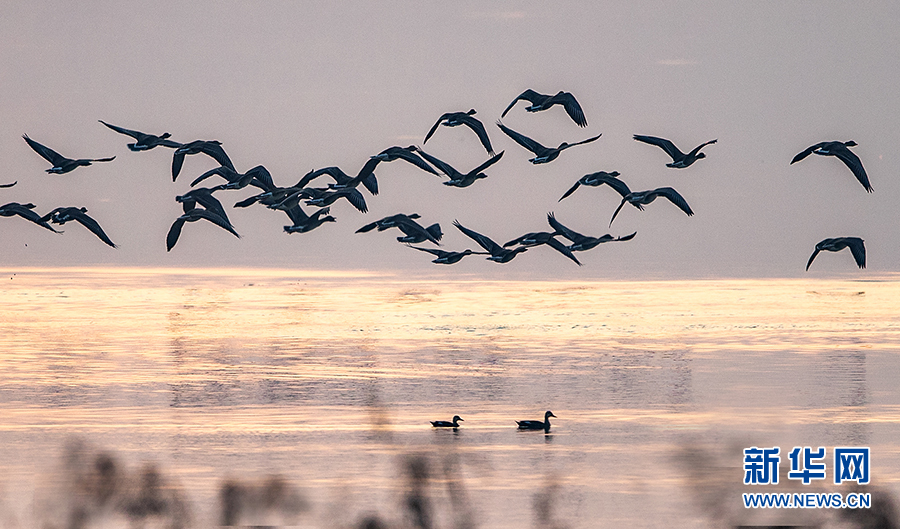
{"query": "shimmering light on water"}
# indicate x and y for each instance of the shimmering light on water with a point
(330, 380)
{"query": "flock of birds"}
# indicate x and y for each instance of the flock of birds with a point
(521, 425)
(201, 203)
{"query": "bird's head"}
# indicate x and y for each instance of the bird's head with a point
(457, 418)
(615, 173)
(549, 414)
(471, 112)
(700, 155)
(850, 143)
(165, 135)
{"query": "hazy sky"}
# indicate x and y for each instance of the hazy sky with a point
(301, 85)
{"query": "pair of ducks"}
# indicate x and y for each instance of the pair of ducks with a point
(522, 425)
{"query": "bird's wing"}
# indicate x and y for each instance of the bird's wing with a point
(174, 233)
(812, 257)
(561, 248)
(806, 152)
(522, 140)
(558, 227)
(434, 127)
(483, 241)
(702, 145)
(613, 182)
(357, 199)
(617, 210)
(92, 225)
(625, 237)
(570, 191)
(852, 161)
(493, 159)
(572, 107)
(24, 211)
(529, 95)
(9, 185)
(111, 158)
(442, 166)
(414, 159)
(858, 249)
(177, 162)
(212, 203)
(297, 215)
(476, 125)
(433, 251)
(263, 177)
(133, 133)
(662, 143)
(46, 152)
(221, 171)
(517, 240)
(675, 198)
(582, 142)
(216, 219)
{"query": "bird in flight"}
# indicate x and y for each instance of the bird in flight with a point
(542, 154)
(63, 215)
(543, 102)
(840, 150)
(857, 248)
(61, 164)
(144, 142)
(454, 119)
(679, 159)
(640, 198)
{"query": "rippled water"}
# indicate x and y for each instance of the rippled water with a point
(329, 381)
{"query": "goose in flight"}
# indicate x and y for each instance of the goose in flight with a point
(498, 253)
(211, 148)
(259, 177)
(61, 164)
(387, 222)
(542, 154)
(679, 159)
(857, 248)
(840, 150)
(454, 119)
(144, 142)
(639, 199)
(324, 197)
(304, 223)
(444, 257)
(581, 242)
(458, 179)
(204, 197)
(414, 231)
(597, 179)
(193, 216)
(543, 237)
(537, 425)
(447, 424)
(543, 102)
(63, 215)
(366, 177)
(404, 153)
(25, 211)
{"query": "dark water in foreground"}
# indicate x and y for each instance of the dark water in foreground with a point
(160, 398)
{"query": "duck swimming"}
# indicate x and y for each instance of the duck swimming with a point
(543, 102)
(679, 159)
(63, 215)
(840, 151)
(446, 424)
(537, 425)
(61, 164)
(454, 119)
(542, 154)
(144, 142)
(857, 248)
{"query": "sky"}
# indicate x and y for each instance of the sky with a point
(296, 86)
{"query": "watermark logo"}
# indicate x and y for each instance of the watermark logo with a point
(851, 464)
(808, 468)
(761, 465)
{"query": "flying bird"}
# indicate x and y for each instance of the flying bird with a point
(144, 142)
(458, 179)
(840, 150)
(414, 231)
(304, 223)
(324, 197)
(581, 242)
(193, 216)
(366, 177)
(639, 199)
(679, 159)
(498, 253)
(543, 102)
(63, 215)
(204, 197)
(212, 148)
(447, 424)
(597, 179)
(542, 154)
(444, 257)
(857, 248)
(543, 237)
(61, 164)
(259, 177)
(454, 119)
(404, 153)
(25, 211)
(387, 222)
(537, 425)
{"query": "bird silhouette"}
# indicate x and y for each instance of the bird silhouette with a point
(581, 242)
(212, 148)
(447, 424)
(444, 257)
(404, 153)
(193, 216)
(303, 223)
(857, 248)
(61, 164)
(454, 119)
(679, 159)
(498, 253)
(839, 150)
(25, 211)
(543, 102)
(258, 177)
(63, 215)
(458, 179)
(144, 142)
(639, 199)
(542, 154)
(597, 179)
(543, 237)
(537, 425)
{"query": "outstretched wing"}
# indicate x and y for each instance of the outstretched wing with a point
(493, 159)
(414, 159)
(133, 133)
(858, 249)
(572, 107)
(9, 185)
(483, 241)
(582, 142)
(442, 166)
(812, 257)
(662, 143)
(46, 152)
(529, 95)
(174, 233)
(356, 198)
(559, 228)
(434, 127)
(561, 248)
(177, 162)
(92, 225)
(617, 210)
(852, 161)
(570, 191)
(522, 140)
(476, 125)
(806, 153)
(675, 198)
